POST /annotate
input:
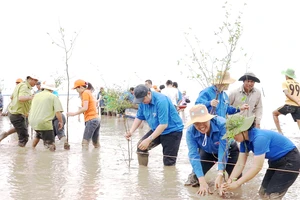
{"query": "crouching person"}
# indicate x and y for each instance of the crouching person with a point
(283, 157)
(206, 146)
(45, 106)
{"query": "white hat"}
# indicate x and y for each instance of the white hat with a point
(49, 85)
(33, 76)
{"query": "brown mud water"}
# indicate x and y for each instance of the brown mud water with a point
(102, 173)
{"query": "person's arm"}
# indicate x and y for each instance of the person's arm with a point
(60, 120)
(194, 157)
(294, 99)
(25, 98)
(257, 165)
(80, 110)
(204, 98)
(134, 126)
(239, 167)
(146, 142)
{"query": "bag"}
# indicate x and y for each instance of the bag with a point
(188, 101)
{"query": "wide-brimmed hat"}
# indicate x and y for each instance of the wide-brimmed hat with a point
(199, 113)
(140, 92)
(33, 76)
(222, 78)
(49, 85)
(237, 124)
(289, 72)
(79, 83)
(249, 76)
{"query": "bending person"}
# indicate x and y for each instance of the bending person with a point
(206, 146)
(283, 157)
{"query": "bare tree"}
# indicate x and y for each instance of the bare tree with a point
(68, 48)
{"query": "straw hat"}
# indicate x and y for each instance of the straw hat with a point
(249, 76)
(289, 72)
(199, 113)
(222, 78)
(237, 124)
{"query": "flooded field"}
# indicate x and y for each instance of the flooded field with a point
(103, 173)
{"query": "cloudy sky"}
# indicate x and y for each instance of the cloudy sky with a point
(127, 42)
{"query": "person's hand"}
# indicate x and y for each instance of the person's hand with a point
(144, 144)
(60, 125)
(218, 184)
(244, 107)
(127, 135)
(257, 125)
(230, 186)
(214, 102)
(204, 189)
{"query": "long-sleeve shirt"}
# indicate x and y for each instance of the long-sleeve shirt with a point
(223, 108)
(238, 97)
(214, 144)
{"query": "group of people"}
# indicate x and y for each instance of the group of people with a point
(223, 129)
(42, 110)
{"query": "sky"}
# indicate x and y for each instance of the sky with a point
(127, 42)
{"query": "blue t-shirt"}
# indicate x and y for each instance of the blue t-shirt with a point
(271, 143)
(223, 108)
(160, 111)
(214, 144)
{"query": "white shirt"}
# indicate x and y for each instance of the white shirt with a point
(172, 93)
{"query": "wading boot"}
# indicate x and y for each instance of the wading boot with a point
(192, 180)
(277, 196)
(143, 159)
(85, 144)
(96, 145)
(3, 135)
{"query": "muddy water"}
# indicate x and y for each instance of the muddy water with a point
(103, 173)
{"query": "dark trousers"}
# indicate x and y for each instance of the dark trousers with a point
(170, 144)
(20, 123)
(232, 159)
(276, 181)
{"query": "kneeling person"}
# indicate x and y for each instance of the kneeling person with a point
(45, 106)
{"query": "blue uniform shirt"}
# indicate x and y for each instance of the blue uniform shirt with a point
(273, 144)
(160, 111)
(223, 108)
(214, 144)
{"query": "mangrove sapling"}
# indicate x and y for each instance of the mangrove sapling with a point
(118, 100)
(201, 64)
(68, 50)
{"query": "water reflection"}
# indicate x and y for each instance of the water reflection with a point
(103, 173)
